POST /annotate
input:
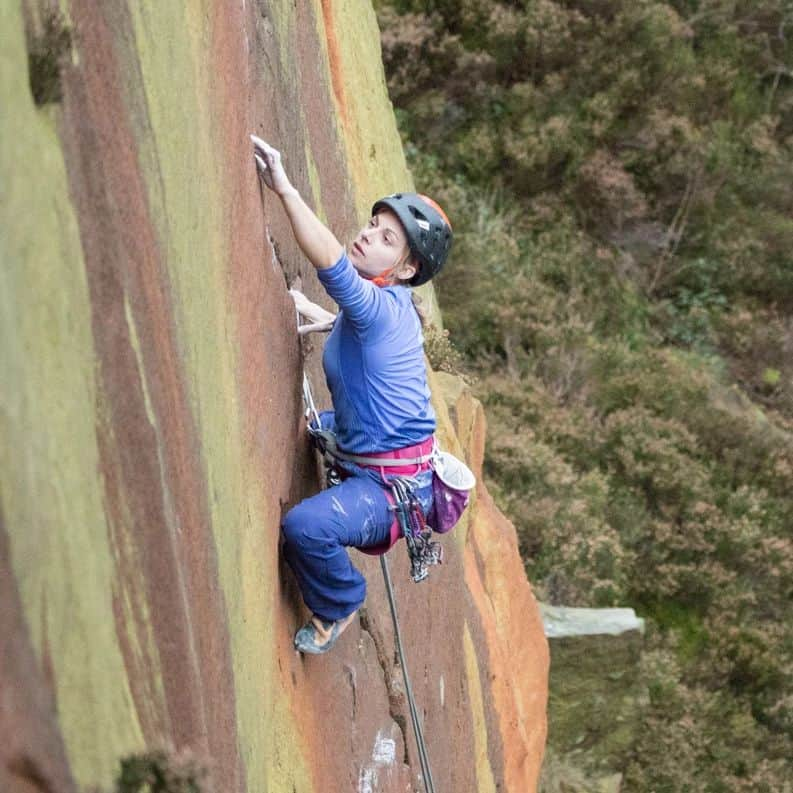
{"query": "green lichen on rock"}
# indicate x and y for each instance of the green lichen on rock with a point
(52, 500)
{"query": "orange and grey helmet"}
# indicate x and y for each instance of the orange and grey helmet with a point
(427, 228)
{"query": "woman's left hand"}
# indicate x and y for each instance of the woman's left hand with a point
(321, 320)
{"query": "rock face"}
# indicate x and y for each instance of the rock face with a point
(151, 431)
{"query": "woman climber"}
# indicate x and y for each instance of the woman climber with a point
(374, 366)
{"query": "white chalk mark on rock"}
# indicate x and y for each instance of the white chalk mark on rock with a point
(366, 779)
(383, 756)
(384, 751)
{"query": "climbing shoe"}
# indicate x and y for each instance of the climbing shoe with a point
(318, 636)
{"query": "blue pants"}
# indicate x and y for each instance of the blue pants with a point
(316, 531)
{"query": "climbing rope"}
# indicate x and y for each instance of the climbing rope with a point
(308, 397)
(426, 772)
(414, 716)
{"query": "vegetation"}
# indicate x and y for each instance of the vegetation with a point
(47, 52)
(620, 177)
(161, 771)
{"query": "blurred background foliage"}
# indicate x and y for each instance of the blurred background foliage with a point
(620, 178)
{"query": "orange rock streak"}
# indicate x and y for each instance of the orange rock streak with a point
(510, 621)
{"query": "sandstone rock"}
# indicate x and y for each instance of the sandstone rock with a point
(151, 431)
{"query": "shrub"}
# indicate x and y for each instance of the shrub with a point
(620, 174)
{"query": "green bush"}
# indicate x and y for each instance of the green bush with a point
(620, 179)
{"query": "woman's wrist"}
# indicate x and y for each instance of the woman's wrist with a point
(289, 192)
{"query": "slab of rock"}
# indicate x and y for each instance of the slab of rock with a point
(562, 621)
(596, 696)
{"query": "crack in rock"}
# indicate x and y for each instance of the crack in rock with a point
(396, 696)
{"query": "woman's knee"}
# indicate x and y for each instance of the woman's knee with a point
(295, 524)
(308, 525)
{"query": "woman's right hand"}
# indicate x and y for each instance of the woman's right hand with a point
(269, 166)
(315, 239)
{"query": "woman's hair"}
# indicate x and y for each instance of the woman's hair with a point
(414, 296)
(417, 301)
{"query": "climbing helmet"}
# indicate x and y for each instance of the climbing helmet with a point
(427, 228)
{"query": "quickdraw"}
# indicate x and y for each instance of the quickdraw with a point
(324, 442)
(422, 551)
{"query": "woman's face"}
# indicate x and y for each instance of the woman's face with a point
(379, 245)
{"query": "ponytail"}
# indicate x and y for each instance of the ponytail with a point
(423, 316)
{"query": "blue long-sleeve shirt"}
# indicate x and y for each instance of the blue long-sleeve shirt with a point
(374, 364)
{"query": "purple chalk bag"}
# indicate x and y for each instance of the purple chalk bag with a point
(452, 480)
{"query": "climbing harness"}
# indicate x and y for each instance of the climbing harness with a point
(326, 443)
(422, 551)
